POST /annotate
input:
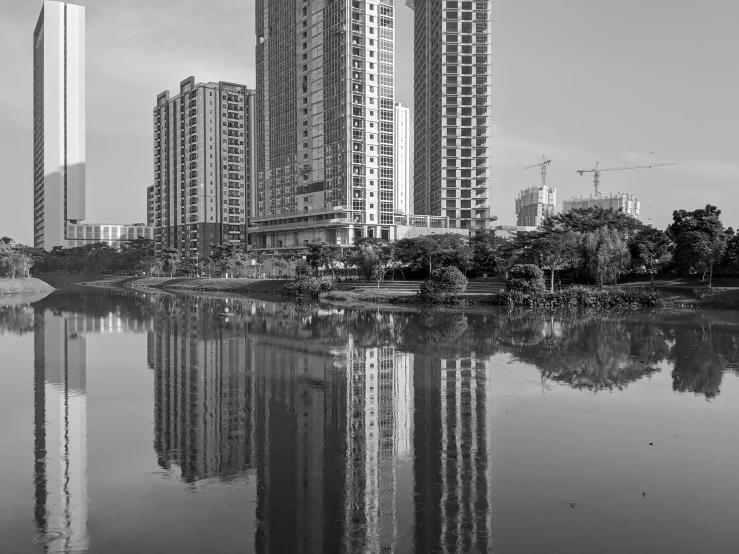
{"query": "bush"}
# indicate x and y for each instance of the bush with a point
(304, 285)
(443, 285)
(525, 278)
(579, 298)
(303, 268)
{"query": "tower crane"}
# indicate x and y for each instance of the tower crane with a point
(596, 172)
(544, 163)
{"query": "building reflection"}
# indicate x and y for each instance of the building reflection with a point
(328, 415)
(452, 467)
(60, 420)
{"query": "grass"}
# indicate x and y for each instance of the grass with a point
(23, 286)
(377, 296)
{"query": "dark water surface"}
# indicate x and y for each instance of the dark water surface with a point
(138, 422)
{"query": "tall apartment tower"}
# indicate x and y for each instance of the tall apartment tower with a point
(203, 154)
(534, 205)
(58, 122)
(452, 90)
(324, 113)
(404, 187)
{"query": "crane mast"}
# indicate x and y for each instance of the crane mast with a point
(543, 165)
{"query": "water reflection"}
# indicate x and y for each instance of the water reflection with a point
(60, 415)
(363, 430)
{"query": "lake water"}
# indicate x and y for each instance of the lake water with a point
(144, 422)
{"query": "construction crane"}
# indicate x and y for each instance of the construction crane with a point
(544, 163)
(596, 172)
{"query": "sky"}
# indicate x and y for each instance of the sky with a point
(579, 81)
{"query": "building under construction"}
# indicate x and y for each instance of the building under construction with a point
(535, 204)
(619, 202)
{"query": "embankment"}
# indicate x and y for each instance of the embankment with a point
(24, 286)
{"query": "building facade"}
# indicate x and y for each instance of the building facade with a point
(203, 154)
(58, 122)
(324, 116)
(150, 211)
(619, 202)
(112, 234)
(403, 154)
(452, 97)
(535, 204)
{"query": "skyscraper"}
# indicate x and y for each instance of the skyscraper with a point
(452, 130)
(58, 122)
(324, 121)
(202, 166)
(403, 190)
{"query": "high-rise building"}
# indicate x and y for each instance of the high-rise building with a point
(535, 204)
(619, 202)
(202, 166)
(324, 121)
(452, 129)
(403, 189)
(150, 210)
(58, 122)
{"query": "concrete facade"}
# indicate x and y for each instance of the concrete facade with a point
(112, 234)
(535, 204)
(325, 110)
(150, 211)
(59, 121)
(452, 146)
(403, 155)
(621, 201)
(203, 166)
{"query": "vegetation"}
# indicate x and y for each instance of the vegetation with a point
(444, 284)
(579, 297)
(306, 286)
(525, 278)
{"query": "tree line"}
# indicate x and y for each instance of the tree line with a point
(591, 245)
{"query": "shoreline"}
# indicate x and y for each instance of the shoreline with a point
(675, 297)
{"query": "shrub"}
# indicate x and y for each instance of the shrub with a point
(525, 278)
(443, 285)
(303, 268)
(304, 285)
(579, 298)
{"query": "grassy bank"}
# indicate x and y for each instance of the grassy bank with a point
(24, 286)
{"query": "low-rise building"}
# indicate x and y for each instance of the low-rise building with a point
(619, 202)
(112, 234)
(291, 233)
(512, 231)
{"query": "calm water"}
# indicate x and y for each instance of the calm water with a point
(137, 422)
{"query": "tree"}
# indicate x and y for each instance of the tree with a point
(14, 262)
(373, 257)
(133, 253)
(171, 259)
(684, 223)
(589, 220)
(730, 261)
(428, 252)
(490, 253)
(229, 257)
(323, 256)
(606, 255)
(554, 249)
(706, 249)
(652, 249)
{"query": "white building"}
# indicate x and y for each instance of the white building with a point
(402, 144)
(621, 201)
(59, 122)
(535, 204)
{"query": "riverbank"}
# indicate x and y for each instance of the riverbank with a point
(673, 295)
(24, 286)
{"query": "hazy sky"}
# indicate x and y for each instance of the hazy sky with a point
(578, 80)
